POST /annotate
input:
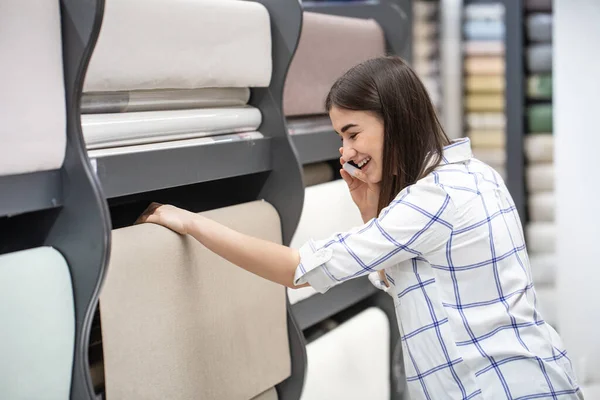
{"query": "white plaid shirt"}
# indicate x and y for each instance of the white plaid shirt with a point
(453, 250)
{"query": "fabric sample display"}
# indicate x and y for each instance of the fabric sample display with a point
(424, 49)
(485, 102)
(484, 47)
(487, 139)
(483, 120)
(329, 46)
(492, 157)
(312, 124)
(538, 5)
(174, 144)
(38, 323)
(484, 30)
(493, 11)
(317, 173)
(173, 41)
(543, 268)
(541, 206)
(540, 177)
(541, 237)
(121, 129)
(172, 330)
(539, 58)
(486, 84)
(546, 304)
(32, 98)
(539, 27)
(485, 65)
(328, 208)
(424, 30)
(539, 118)
(341, 366)
(157, 100)
(539, 86)
(539, 147)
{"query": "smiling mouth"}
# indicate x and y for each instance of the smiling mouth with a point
(362, 164)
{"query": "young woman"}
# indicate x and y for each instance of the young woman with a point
(442, 231)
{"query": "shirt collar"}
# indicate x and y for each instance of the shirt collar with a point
(457, 151)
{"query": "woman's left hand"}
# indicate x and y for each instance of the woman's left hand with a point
(176, 219)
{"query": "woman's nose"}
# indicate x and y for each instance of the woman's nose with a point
(348, 152)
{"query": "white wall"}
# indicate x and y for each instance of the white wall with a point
(577, 165)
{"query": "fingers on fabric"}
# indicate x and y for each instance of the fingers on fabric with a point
(148, 212)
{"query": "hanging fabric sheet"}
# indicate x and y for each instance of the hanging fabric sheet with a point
(329, 46)
(328, 208)
(539, 118)
(122, 129)
(341, 365)
(160, 100)
(539, 58)
(485, 84)
(487, 138)
(174, 329)
(539, 86)
(484, 30)
(492, 11)
(541, 237)
(38, 324)
(539, 147)
(540, 177)
(485, 102)
(484, 48)
(539, 27)
(543, 268)
(541, 207)
(156, 44)
(485, 65)
(486, 120)
(312, 124)
(317, 173)
(32, 98)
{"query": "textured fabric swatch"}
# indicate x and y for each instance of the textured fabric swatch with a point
(179, 322)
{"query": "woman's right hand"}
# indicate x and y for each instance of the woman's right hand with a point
(364, 193)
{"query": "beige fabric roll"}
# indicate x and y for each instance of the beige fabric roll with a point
(492, 157)
(487, 138)
(486, 120)
(424, 49)
(540, 237)
(484, 83)
(540, 177)
(543, 268)
(539, 147)
(484, 65)
(484, 47)
(424, 30)
(541, 206)
(485, 102)
(179, 322)
(329, 46)
(317, 173)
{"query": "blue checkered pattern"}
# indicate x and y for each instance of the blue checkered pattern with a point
(453, 250)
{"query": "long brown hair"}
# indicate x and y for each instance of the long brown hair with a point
(413, 135)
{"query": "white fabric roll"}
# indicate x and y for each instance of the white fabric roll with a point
(539, 147)
(493, 11)
(181, 44)
(486, 120)
(540, 177)
(543, 268)
(343, 364)
(38, 325)
(122, 129)
(541, 237)
(328, 208)
(541, 206)
(546, 304)
(32, 95)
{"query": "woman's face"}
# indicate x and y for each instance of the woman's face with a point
(362, 140)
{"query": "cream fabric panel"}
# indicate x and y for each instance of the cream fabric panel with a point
(179, 322)
(32, 97)
(181, 44)
(37, 332)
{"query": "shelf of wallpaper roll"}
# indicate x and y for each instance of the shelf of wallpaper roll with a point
(319, 307)
(158, 167)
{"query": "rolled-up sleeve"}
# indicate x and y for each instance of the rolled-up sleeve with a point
(417, 222)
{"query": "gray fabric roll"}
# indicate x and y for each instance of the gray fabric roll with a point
(539, 27)
(539, 58)
(312, 124)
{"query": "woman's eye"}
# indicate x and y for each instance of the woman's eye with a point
(353, 136)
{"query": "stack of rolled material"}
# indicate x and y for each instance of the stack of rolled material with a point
(539, 149)
(426, 52)
(484, 66)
